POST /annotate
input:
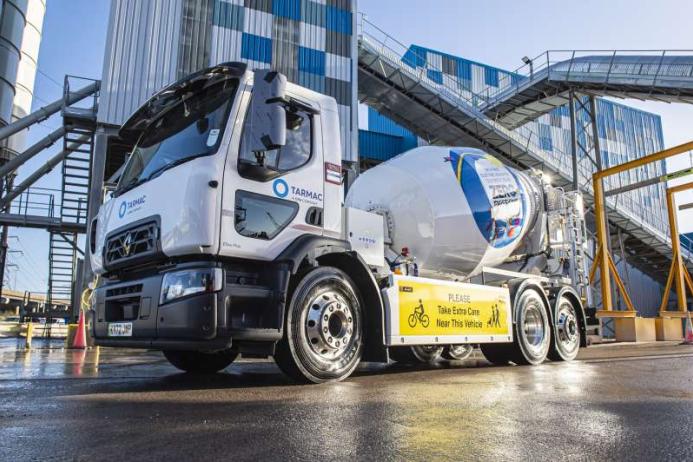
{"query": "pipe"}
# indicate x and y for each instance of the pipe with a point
(45, 168)
(39, 146)
(46, 111)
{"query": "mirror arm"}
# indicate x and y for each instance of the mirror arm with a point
(293, 103)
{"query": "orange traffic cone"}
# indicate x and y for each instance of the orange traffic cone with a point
(81, 334)
(688, 336)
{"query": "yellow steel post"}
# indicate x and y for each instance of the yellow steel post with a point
(679, 274)
(676, 254)
(602, 256)
(29, 334)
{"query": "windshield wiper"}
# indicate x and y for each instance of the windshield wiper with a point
(155, 173)
(133, 184)
(175, 163)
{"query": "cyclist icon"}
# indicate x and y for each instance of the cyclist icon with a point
(418, 316)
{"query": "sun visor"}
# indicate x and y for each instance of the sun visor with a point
(171, 95)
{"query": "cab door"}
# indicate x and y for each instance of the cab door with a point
(271, 198)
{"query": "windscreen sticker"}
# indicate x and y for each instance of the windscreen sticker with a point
(212, 138)
(494, 194)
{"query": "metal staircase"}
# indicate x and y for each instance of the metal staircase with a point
(543, 84)
(78, 142)
(448, 113)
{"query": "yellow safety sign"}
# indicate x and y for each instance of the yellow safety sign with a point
(430, 308)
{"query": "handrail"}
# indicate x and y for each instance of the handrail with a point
(526, 137)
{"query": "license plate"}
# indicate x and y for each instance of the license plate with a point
(120, 329)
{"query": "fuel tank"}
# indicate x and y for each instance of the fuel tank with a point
(456, 209)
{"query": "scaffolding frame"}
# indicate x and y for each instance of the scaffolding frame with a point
(603, 261)
(678, 274)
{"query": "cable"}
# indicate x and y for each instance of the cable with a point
(60, 85)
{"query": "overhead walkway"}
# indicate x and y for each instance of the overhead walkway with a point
(442, 115)
(544, 83)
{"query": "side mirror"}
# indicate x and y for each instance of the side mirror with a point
(267, 114)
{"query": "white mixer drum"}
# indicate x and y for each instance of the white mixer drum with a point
(456, 209)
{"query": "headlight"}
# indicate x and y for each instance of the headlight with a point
(179, 284)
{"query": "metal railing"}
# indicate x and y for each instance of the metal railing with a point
(454, 92)
(643, 67)
(86, 105)
(36, 201)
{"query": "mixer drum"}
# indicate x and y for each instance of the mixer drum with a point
(456, 209)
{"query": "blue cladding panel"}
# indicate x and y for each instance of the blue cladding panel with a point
(415, 56)
(287, 9)
(338, 20)
(464, 70)
(256, 48)
(313, 81)
(313, 13)
(381, 124)
(228, 15)
(515, 79)
(434, 75)
(491, 76)
(310, 60)
(379, 146)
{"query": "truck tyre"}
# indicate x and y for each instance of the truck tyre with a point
(458, 352)
(200, 362)
(429, 354)
(565, 330)
(532, 328)
(498, 354)
(323, 331)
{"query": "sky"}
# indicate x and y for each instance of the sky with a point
(495, 32)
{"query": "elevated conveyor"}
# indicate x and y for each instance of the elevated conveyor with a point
(543, 83)
(442, 114)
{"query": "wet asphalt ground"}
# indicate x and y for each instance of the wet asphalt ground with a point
(618, 402)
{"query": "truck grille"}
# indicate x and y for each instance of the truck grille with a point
(134, 242)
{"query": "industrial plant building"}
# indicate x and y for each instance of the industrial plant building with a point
(415, 95)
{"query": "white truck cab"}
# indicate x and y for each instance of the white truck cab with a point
(228, 234)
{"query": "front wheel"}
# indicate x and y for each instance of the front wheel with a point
(323, 334)
(200, 362)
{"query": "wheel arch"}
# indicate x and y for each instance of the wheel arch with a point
(311, 250)
(353, 265)
(521, 286)
(566, 291)
(306, 249)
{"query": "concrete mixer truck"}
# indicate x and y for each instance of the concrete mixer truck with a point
(229, 233)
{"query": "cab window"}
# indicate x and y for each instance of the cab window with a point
(295, 154)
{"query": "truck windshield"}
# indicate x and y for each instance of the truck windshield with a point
(189, 128)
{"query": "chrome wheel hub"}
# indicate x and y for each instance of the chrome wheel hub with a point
(567, 327)
(329, 326)
(533, 328)
(461, 351)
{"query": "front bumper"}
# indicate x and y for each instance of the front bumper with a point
(208, 321)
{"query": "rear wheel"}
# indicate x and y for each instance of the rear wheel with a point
(458, 352)
(531, 332)
(323, 334)
(497, 353)
(200, 362)
(532, 335)
(565, 331)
